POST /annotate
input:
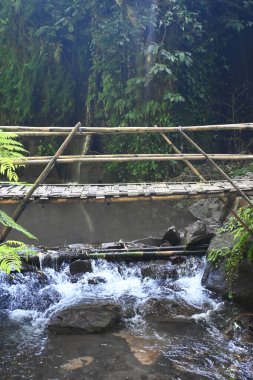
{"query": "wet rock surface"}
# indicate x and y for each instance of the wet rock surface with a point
(214, 277)
(86, 319)
(172, 236)
(159, 270)
(96, 280)
(80, 266)
(209, 211)
(241, 327)
(198, 233)
(168, 311)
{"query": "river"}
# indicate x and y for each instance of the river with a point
(172, 328)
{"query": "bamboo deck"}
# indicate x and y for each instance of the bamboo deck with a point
(67, 193)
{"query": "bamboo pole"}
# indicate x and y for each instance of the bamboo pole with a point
(132, 158)
(125, 199)
(105, 130)
(21, 207)
(150, 249)
(197, 173)
(208, 157)
(142, 254)
(190, 166)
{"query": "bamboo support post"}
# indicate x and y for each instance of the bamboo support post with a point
(190, 166)
(21, 207)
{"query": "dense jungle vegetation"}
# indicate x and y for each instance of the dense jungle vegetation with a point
(128, 63)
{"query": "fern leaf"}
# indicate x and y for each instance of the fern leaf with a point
(6, 220)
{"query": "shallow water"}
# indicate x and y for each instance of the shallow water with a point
(192, 346)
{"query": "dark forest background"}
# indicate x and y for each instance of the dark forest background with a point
(128, 63)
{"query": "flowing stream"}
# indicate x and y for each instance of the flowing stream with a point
(152, 342)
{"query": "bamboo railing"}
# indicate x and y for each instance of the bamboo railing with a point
(62, 131)
(131, 158)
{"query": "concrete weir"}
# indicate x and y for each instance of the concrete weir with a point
(63, 224)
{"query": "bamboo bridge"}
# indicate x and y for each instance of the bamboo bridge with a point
(66, 193)
(11, 194)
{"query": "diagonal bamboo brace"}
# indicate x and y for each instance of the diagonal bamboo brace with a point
(238, 218)
(21, 207)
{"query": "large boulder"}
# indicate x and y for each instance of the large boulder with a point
(172, 236)
(198, 233)
(214, 277)
(86, 319)
(209, 211)
(80, 266)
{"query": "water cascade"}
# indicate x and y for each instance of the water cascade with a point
(172, 328)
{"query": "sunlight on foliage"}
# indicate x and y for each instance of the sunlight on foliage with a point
(10, 150)
(10, 255)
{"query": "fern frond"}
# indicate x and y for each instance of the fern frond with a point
(6, 220)
(9, 258)
(10, 149)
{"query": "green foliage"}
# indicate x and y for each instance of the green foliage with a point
(243, 244)
(10, 255)
(126, 62)
(6, 220)
(10, 149)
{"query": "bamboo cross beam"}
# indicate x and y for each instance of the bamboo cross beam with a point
(132, 158)
(21, 207)
(61, 131)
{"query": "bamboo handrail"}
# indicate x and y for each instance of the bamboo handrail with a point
(61, 131)
(36, 160)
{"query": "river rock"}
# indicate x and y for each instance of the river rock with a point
(241, 326)
(113, 245)
(86, 319)
(198, 233)
(80, 266)
(159, 271)
(214, 277)
(209, 211)
(96, 280)
(170, 311)
(172, 236)
(149, 241)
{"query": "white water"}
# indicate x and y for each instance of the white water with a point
(32, 299)
(121, 283)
